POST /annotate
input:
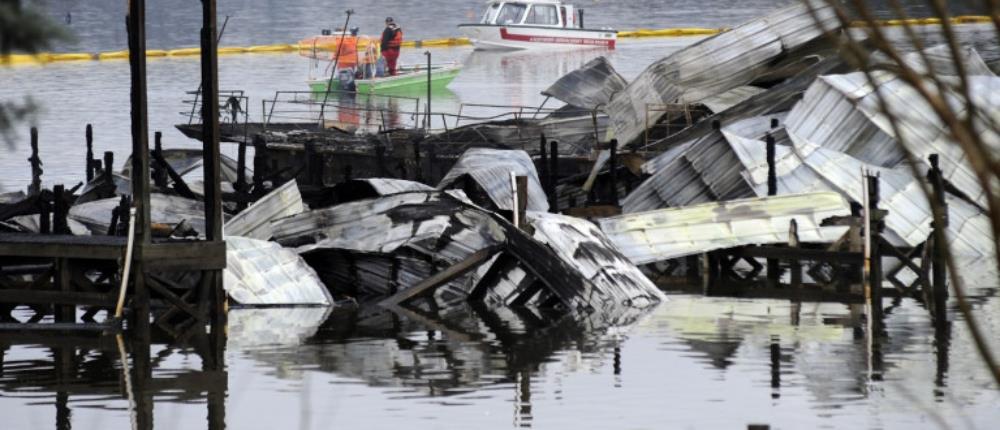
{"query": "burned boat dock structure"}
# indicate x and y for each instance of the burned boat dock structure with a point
(753, 163)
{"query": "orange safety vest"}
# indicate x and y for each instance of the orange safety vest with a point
(396, 41)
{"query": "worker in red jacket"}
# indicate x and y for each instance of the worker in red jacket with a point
(392, 39)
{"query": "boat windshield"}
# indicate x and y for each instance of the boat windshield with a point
(491, 13)
(542, 14)
(511, 13)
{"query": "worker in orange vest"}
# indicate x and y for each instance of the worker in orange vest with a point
(392, 39)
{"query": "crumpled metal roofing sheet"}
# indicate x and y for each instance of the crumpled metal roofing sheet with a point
(910, 215)
(590, 86)
(722, 101)
(260, 272)
(491, 169)
(164, 208)
(716, 64)
(386, 186)
(704, 170)
(665, 234)
(398, 240)
(255, 221)
(841, 112)
(616, 281)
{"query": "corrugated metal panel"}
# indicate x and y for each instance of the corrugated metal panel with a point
(664, 234)
(716, 64)
(722, 101)
(255, 221)
(616, 281)
(841, 112)
(705, 170)
(386, 186)
(378, 246)
(164, 208)
(590, 86)
(30, 223)
(942, 62)
(491, 169)
(259, 272)
(910, 216)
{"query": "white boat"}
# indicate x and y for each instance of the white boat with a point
(511, 25)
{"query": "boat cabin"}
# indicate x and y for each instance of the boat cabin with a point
(540, 13)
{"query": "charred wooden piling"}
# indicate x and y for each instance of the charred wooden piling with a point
(68, 272)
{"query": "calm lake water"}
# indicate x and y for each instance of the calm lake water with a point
(694, 362)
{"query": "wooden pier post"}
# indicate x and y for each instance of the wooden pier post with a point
(140, 165)
(44, 217)
(259, 164)
(939, 270)
(241, 167)
(60, 210)
(521, 193)
(380, 160)
(543, 166)
(613, 173)
(159, 171)
(89, 135)
(796, 264)
(773, 267)
(210, 149)
(553, 176)
(36, 165)
(875, 263)
(109, 163)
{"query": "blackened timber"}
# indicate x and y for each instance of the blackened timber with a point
(210, 122)
(782, 253)
(36, 165)
(56, 297)
(427, 286)
(51, 246)
(140, 125)
(89, 135)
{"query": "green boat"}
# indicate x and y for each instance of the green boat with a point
(410, 80)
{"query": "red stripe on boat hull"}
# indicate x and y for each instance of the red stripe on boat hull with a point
(610, 43)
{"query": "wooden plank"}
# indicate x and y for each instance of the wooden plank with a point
(428, 285)
(65, 246)
(56, 297)
(194, 255)
(800, 254)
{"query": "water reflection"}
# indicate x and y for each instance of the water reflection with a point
(767, 360)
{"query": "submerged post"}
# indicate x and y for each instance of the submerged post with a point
(773, 268)
(874, 256)
(772, 175)
(938, 267)
(36, 165)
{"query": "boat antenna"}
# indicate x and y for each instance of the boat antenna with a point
(336, 61)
